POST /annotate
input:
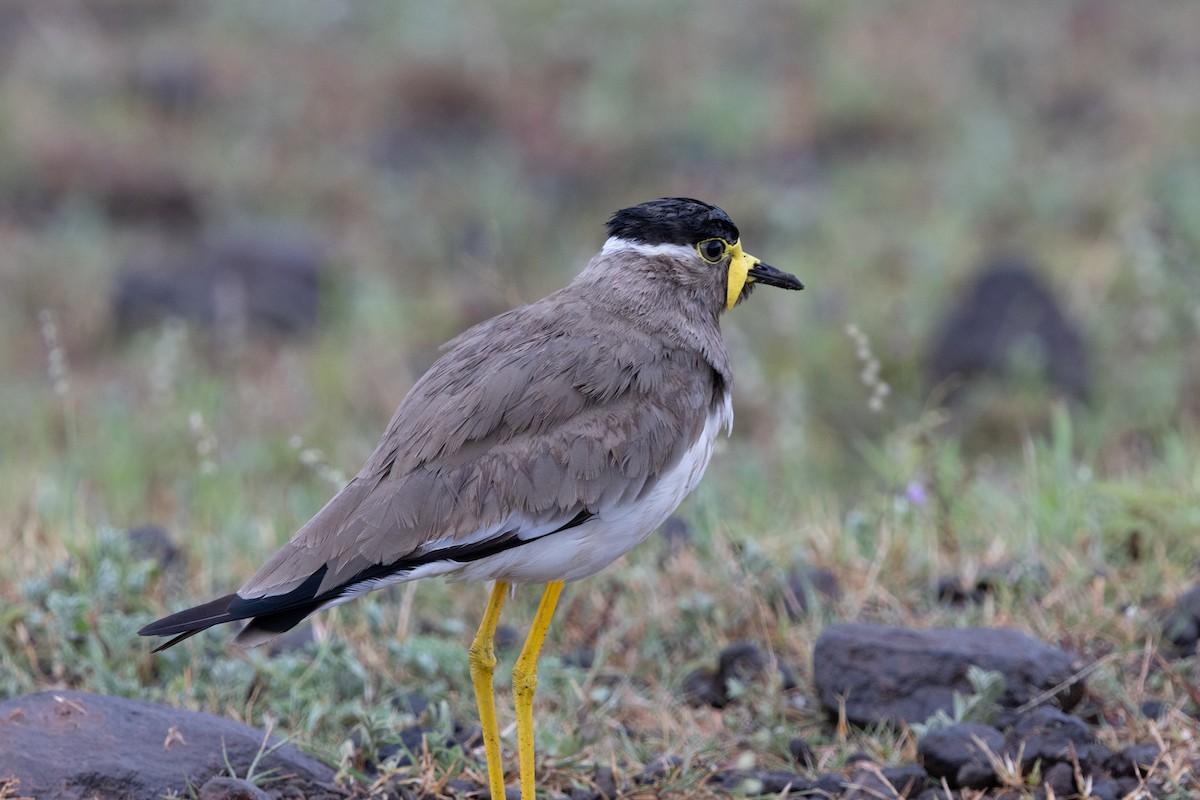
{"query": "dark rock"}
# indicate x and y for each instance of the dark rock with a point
(802, 753)
(886, 674)
(226, 788)
(1013, 576)
(806, 586)
(1061, 778)
(413, 703)
(1154, 709)
(606, 783)
(700, 688)
(950, 590)
(1181, 624)
(153, 543)
(1132, 760)
(945, 752)
(742, 663)
(260, 280)
(746, 662)
(1104, 789)
(974, 776)
(1009, 324)
(507, 637)
(868, 783)
(777, 782)
(831, 784)
(580, 658)
(1048, 735)
(133, 749)
(908, 780)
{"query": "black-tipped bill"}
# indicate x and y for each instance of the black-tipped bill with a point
(765, 273)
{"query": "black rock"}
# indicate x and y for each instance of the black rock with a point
(1105, 789)
(506, 638)
(1138, 758)
(807, 586)
(908, 780)
(1154, 709)
(606, 783)
(868, 783)
(1009, 322)
(700, 688)
(802, 753)
(65, 743)
(153, 543)
(894, 675)
(1048, 735)
(777, 782)
(1061, 778)
(743, 663)
(946, 751)
(413, 703)
(1181, 624)
(831, 784)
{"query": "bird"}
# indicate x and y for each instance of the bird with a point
(543, 444)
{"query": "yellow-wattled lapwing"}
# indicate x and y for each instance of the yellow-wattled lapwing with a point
(541, 447)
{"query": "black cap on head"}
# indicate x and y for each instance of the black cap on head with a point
(672, 220)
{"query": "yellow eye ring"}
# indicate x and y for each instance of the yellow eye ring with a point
(712, 250)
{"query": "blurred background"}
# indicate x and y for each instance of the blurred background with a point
(233, 234)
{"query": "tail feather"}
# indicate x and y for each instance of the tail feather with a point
(269, 616)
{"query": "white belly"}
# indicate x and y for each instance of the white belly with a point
(591, 546)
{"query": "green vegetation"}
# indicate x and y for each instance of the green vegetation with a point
(461, 158)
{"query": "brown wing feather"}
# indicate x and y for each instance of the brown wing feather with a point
(535, 414)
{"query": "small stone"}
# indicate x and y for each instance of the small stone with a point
(700, 688)
(506, 637)
(1047, 735)
(807, 585)
(153, 543)
(1154, 709)
(802, 753)
(413, 703)
(779, 781)
(606, 783)
(1104, 789)
(868, 783)
(831, 784)
(1061, 778)
(946, 752)
(908, 779)
(1128, 762)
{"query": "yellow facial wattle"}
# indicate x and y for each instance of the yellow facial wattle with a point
(740, 264)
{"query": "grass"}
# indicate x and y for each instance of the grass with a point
(879, 152)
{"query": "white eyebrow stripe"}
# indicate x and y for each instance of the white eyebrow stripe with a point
(616, 244)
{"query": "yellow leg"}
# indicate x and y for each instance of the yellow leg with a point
(483, 664)
(525, 682)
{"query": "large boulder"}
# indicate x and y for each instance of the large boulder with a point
(68, 745)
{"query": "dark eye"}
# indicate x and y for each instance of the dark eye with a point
(712, 249)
